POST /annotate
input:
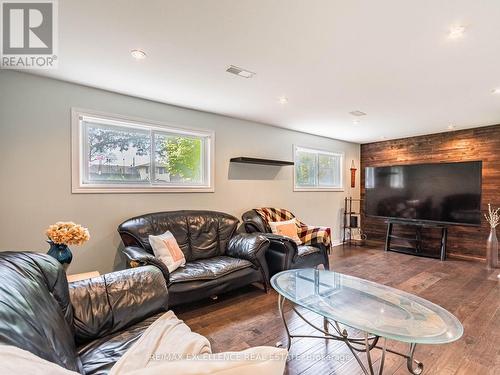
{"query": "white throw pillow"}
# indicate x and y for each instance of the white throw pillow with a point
(286, 228)
(166, 248)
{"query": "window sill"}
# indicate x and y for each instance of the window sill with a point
(133, 190)
(319, 189)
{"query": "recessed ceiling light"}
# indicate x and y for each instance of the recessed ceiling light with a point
(357, 113)
(283, 100)
(451, 127)
(496, 91)
(240, 71)
(456, 32)
(138, 54)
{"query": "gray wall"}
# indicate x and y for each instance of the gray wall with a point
(36, 176)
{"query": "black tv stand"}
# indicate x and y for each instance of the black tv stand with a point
(417, 248)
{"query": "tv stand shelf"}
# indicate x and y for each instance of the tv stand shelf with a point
(418, 249)
(404, 238)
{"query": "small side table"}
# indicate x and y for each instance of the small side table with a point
(82, 276)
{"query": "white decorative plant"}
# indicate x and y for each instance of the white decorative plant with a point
(493, 216)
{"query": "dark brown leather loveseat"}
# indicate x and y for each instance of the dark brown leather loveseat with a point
(85, 326)
(217, 258)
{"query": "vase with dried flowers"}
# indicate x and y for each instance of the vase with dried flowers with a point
(493, 218)
(62, 234)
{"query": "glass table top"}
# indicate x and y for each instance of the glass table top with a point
(368, 306)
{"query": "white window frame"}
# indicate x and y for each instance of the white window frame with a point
(324, 152)
(78, 160)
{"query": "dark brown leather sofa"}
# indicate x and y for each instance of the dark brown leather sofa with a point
(284, 253)
(85, 326)
(217, 258)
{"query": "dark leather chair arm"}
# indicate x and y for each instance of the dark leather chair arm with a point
(247, 246)
(281, 243)
(139, 257)
(109, 303)
(251, 247)
(282, 252)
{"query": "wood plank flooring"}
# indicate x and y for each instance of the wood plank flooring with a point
(249, 317)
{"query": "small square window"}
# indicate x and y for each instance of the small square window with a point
(317, 170)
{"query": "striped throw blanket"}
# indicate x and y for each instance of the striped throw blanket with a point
(309, 235)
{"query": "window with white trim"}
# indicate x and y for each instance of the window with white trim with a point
(117, 154)
(318, 170)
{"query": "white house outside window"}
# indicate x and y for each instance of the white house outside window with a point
(117, 154)
(318, 170)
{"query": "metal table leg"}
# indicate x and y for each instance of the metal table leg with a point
(355, 344)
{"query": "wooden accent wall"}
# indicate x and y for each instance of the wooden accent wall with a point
(463, 145)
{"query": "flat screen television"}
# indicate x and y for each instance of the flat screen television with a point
(448, 193)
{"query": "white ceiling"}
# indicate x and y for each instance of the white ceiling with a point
(389, 58)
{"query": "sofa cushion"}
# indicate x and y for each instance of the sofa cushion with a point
(209, 234)
(100, 355)
(304, 250)
(208, 269)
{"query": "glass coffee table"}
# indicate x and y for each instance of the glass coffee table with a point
(381, 312)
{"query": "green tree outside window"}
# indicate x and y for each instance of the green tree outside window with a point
(183, 157)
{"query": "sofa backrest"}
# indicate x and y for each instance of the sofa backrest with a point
(35, 311)
(111, 302)
(200, 234)
(253, 222)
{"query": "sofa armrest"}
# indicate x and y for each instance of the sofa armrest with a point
(137, 256)
(281, 243)
(319, 236)
(109, 303)
(246, 246)
(251, 247)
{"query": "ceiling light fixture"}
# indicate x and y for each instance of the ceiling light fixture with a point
(456, 32)
(283, 100)
(355, 121)
(240, 71)
(451, 127)
(496, 91)
(357, 113)
(138, 54)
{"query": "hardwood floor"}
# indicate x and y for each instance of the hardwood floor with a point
(250, 317)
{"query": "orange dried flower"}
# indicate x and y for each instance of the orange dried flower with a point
(67, 233)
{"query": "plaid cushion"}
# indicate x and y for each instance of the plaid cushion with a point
(309, 235)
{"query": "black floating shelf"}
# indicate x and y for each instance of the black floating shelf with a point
(245, 160)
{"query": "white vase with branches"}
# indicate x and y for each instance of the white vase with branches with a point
(493, 218)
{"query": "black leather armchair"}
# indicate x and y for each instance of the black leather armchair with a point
(283, 252)
(85, 326)
(217, 258)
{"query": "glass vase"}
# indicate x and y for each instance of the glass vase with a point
(492, 250)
